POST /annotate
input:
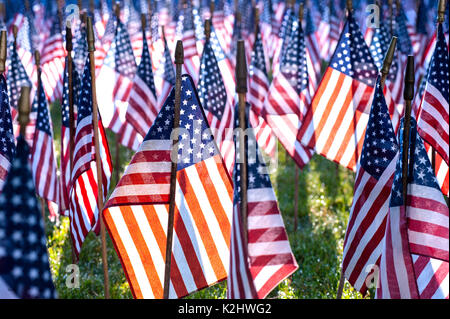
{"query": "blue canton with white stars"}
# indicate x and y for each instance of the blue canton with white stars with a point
(24, 264)
(43, 119)
(169, 72)
(124, 57)
(257, 172)
(85, 94)
(196, 142)
(404, 42)
(145, 68)
(17, 77)
(65, 112)
(7, 146)
(258, 59)
(378, 48)
(420, 171)
(352, 56)
(438, 74)
(215, 46)
(211, 88)
(293, 65)
(380, 145)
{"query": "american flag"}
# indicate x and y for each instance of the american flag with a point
(165, 75)
(289, 98)
(65, 134)
(312, 48)
(433, 120)
(258, 89)
(281, 41)
(267, 259)
(334, 125)
(394, 80)
(322, 20)
(25, 271)
(191, 58)
(441, 169)
(216, 103)
(414, 260)
(83, 214)
(142, 106)
(52, 62)
(374, 176)
(7, 146)
(115, 81)
(43, 160)
(136, 213)
(335, 28)
(266, 23)
(80, 48)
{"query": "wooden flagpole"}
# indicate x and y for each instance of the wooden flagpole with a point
(241, 90)
(408, 95)
(24, 109)
(388, 58)
(179, 58)
(3, 49)
(91, 49)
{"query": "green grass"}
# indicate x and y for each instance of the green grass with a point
(325, 197)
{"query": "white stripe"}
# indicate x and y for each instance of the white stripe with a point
(132, 252)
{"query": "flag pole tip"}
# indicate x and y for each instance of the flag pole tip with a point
(2, 51)
(69, 45)
(408, 92)
(37, 58)
(441, 11)
(389, 57)
(301, 12)
(24, 108)
(90, 35)
(179, 54)
(208, 28)
(241, 68)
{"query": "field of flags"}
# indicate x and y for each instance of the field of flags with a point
(205, 95)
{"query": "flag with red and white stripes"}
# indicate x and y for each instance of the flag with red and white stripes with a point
(415, 256)
(374, 176)
(191, 64)
(52, 63)
(65, 135)
(142, 104)
(257, 91)
(43, 160)
(433, 122)
(216, 102)
(336, 121)
(289, 98)
(262, 259)
(7, 146)
(84, 214)
(137, 212)
(114, 84)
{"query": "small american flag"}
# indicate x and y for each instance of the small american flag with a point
(258, 89)
(136, 213)
(214, 99)
(25, 271)
(334, 125)
(434, 116)
(289, 98)
(374, 176)
(267, 259)
(191, 58)
(142, 106)
(52, 62)
(165, 74)
(65, 134)
(43, 160)
(115, 81)
(83, 214)
(7, 146)
(415, 255)
(312, 48)
(280, 40)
